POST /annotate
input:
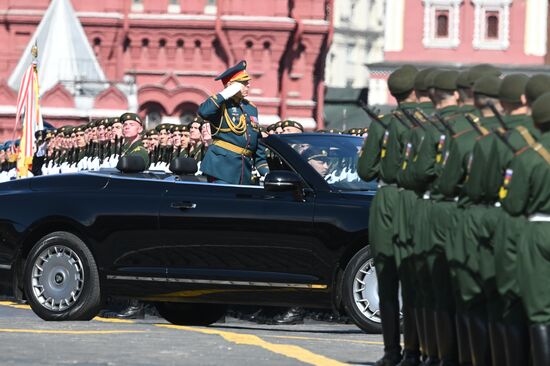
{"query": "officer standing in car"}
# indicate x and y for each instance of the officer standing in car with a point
(235, 131)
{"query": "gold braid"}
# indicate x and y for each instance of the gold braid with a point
(238, 129)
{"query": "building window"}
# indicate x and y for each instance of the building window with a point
(491, 29)
(442, 19)
(491, 24)
(210, 7)
(137, 5)
(174, 6)
(441, 23)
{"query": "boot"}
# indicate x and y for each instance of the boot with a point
(294, 315)
(431, 339)
(479, 340)
(134, 310)
(497, 343)
(419, 316)
(446, 338)
(464, 354)
(411, 353)
(517, 344)
(389, 315)
(540, 344)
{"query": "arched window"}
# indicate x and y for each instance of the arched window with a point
(153, 112)
(145, 42)
(442, 24)
(249, 44)
(187, 112)
(162, 43)
(492, 26)
(179, 43)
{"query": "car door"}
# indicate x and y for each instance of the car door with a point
(125, 226)
(214, 233)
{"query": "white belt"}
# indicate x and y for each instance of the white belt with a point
(427, 195)
(539, 217)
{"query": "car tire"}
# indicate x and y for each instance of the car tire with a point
(360, 292)
(180, 313)
(61, 279)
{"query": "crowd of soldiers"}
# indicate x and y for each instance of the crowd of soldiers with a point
(99, 144)
(461, 219)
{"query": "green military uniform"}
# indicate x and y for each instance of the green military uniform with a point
(136, 147)
(381, 158)
(476, 279)
(525, 193)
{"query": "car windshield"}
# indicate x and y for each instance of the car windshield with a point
(334, 157)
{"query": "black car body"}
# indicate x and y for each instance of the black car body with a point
(163, 238)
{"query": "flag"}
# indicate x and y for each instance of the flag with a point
(28, 108)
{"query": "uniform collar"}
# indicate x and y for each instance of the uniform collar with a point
(448, 110)
(516, 120)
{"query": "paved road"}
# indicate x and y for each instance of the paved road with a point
(25, 339)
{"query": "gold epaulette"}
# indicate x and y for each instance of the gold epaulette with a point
(524, 132)
(541, 150)
(473, 117)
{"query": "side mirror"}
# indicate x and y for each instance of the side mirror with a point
(282, 181)
(131, 164)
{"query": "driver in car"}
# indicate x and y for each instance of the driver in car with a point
(318, 159)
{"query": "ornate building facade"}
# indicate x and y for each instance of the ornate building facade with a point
(513, 34)
(160, 57)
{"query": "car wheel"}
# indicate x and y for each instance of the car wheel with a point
(180, 313)
(360, 292)
(61, 280)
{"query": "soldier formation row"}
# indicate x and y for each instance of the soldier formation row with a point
(98, 144)
(461, 219)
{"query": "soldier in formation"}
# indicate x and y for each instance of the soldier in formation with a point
(460, 216)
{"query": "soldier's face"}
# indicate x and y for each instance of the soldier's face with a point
(117, 130)
(163, 137)
(131, 129)
(279, 130)
(101, 133)
(185, 139)
(291, 129)
(146, 143)
(176, 138)
(245, 87)
(154, 141)
(195, 131)
(2, 156)
(80, 140)
(320, 165)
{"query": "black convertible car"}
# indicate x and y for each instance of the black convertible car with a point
(192, 247)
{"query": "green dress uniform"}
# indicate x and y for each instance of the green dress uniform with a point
(135, 149)
(525, 193)
(381, 158)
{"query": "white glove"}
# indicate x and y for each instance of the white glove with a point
(231, 90)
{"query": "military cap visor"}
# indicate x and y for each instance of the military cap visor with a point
(289, 123)
(234, 73)
(130, 117)
(315, 153)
